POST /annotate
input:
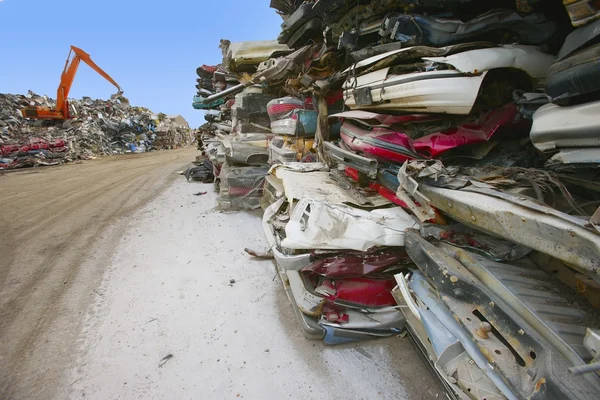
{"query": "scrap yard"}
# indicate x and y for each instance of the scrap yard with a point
(388, 199)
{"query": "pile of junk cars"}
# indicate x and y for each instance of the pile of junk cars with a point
(429, 167)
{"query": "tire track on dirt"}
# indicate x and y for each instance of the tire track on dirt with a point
(55, 219)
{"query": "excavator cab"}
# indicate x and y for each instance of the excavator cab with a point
(30, 112)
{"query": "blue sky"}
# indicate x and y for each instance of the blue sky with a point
(151, 48)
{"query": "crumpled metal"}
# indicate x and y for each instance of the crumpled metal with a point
(102, 127)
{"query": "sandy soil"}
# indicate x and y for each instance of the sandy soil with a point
(115, 284)
(50, 219)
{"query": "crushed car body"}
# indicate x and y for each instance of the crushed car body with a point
(429, 167)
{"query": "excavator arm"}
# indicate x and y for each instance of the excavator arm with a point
(66, 81)
(68, 76)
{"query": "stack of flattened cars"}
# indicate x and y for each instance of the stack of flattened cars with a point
(292, 116)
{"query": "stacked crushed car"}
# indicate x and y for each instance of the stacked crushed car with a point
(102, 127)
(430, 167)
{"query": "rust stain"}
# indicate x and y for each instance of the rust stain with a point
(484, 330)
(514, 341)
(485, 353)
(540, 384)
(581, 287)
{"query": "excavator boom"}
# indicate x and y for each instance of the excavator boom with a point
(66, 81)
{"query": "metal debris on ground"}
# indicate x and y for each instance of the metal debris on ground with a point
(164, 360)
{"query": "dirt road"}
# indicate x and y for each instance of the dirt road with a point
(111, 287)
(50, 218)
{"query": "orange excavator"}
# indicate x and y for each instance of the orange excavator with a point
(62, 110)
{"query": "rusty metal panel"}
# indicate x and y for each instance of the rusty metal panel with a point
(531, 365)
(521, 221)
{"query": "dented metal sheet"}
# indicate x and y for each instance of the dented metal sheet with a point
(284, 260)
(244, 153)
(253, 53)
(442, 326)
(290, 149)
(451, 91)
(495, 25)
(431, 92)
(579, 39)
(541, 300)
(358, 292)
(275, 69)
(343, 156)
(513, 347)
(294, 288)
(318, 225)
(295, 21)
(299, 167)
(380, 120)
(383, 144)
(392, 146)
(525, 58)
(575, 79)
(386, 318)
(585, 160)
(461, 236)
(357, 264)
(417, 52)
(320, 186)
(591, 341)
(408, 192)
(522, 221)
(300, 123)
(309, 303)
(563, 127)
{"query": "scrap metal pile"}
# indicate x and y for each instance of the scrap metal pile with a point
(429, 166)
(102, 127)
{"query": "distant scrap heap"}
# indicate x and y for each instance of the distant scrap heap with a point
(101, 127)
